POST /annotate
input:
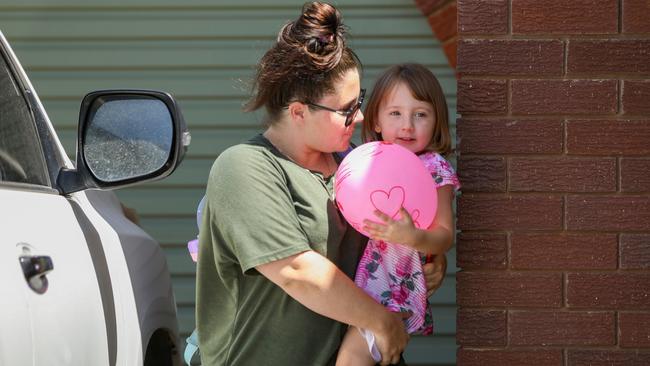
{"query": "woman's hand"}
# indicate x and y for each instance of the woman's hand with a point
(391, 339)
(434, 273)
(400, 231)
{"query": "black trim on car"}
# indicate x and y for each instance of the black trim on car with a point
(103, 275)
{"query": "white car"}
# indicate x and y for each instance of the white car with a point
(80, 284)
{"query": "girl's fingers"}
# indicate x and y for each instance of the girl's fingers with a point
(404, 213)
(373, 225)
(373, 232)
(382, 216)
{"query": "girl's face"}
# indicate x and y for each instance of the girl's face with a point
(326, 130)
(404, 120)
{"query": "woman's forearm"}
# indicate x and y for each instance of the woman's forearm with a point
(317, 283)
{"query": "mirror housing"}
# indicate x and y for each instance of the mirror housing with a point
(125, 137)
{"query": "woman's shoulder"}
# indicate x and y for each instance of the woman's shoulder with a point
(245, 158)
(254, 149)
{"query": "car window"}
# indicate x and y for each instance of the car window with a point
(21, 155)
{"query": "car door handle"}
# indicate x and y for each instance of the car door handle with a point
(36, 268)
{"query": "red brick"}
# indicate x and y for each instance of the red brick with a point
(429, 6)
(635, 174)
(565, 17)
(482, 17)
(608, 56)
(482, 174)
(490, 212)
(602, 137)
(635, 16)
(483, 136)
(564, 96)
(608, 213)
(481, 328)
(554, 328)
(491, 357)
(608, 290)
(636, 94)
(554, 251)
(634, 330)
(562, 174)
(481, 251)
(443, 22)
(504, 289)
(608, 358)
(482, 96)
(451, 51)
(511, 57)
(635, 251)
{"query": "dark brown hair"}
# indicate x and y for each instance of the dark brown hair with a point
(424, 87)
(309, 56)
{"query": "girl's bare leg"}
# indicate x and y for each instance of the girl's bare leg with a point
(354, 350)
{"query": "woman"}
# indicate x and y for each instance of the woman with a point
(276, 258)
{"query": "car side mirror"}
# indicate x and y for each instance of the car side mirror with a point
(125, 137)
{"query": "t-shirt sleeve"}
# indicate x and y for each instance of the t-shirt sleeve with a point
(442, 172)
(251, 210)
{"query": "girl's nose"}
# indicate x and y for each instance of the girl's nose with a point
(407, 124)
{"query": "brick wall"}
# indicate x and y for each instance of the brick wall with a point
(554, 155)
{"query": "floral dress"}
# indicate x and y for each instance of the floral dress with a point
(392, 273)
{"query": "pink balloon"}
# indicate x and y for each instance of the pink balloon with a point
(384, 176)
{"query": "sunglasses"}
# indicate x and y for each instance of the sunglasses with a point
(348, 113)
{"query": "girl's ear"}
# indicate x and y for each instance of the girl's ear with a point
(297, 111)
(377, 129)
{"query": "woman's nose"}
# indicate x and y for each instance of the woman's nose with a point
(357, 118)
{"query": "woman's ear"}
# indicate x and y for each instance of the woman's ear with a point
(297, 111)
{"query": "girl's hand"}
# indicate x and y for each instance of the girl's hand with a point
(400, 231)
(434, 273)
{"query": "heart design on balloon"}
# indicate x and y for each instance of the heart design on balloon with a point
(415, 215)
(388, 202)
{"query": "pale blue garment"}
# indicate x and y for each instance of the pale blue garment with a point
(192, 355)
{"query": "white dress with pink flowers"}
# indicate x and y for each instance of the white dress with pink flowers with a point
(392, 273)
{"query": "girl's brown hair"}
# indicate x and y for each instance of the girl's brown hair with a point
(309, 56)
(424, 87)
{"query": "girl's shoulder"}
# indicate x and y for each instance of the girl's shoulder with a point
(441, 170)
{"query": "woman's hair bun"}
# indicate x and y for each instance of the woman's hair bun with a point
(306, 62)
(319, 32)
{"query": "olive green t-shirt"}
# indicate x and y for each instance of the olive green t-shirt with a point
(262, 207)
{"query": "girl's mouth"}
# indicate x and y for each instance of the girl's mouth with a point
(406, 139)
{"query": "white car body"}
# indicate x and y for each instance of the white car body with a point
(109, 290)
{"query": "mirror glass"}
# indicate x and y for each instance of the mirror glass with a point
(127, 137)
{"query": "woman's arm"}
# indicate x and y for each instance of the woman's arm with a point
(434, 273)
(318, 284)
(437, 239)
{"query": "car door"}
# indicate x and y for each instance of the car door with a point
(53, 312)
(15, 332)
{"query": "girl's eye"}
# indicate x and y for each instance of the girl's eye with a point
(393, 113)
(420, 115)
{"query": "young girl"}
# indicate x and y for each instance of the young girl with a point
(407, 107)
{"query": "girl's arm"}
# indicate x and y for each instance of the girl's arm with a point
(437, 239)
(318, 284)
